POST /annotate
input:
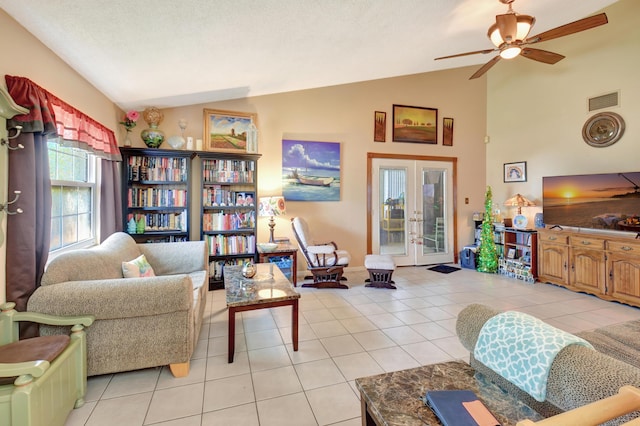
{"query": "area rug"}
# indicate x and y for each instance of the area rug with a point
(444, 269)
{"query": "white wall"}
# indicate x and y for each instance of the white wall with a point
(345, 114)
(535, 112)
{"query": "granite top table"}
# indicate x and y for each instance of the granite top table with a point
(393, 399)
(268, 288)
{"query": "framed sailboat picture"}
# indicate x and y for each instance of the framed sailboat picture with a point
(310, 170)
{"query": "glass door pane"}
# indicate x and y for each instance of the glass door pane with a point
(392, 208)
(436, 214)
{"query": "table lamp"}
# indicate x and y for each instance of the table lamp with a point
(520, 221)
(271, 207)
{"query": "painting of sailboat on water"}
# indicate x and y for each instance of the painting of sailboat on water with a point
(310, 170)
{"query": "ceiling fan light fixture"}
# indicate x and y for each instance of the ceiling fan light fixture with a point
(494, 35)
(524, 23)
(510, 52)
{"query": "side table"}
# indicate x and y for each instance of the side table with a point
(283, 250)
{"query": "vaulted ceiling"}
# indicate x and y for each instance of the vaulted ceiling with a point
(172, 53)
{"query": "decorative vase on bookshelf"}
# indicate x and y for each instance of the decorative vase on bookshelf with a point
(153, 137)
(127, 139)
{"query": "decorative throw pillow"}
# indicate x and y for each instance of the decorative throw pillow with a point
(138, 267)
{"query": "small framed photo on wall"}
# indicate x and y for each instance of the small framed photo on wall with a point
(380, 127)
(447, 131)
(515, 172)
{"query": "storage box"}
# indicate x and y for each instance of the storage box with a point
(468, 257)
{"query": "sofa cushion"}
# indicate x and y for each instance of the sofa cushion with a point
(96, 263)
(138, 267)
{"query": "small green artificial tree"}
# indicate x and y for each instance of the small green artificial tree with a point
(488, 255)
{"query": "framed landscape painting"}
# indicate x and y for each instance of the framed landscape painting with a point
(415, 124)
(226, 131)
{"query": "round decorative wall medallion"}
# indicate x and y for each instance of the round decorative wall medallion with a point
(603, 129)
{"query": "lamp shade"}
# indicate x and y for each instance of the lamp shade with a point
(519, 201)
(272, 206)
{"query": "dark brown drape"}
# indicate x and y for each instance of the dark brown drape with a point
(28, 233)
(110, 200)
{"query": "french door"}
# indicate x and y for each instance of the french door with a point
(412, 210)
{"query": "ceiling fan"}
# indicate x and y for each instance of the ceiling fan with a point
(509, 35)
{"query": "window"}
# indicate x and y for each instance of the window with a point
(73, 189)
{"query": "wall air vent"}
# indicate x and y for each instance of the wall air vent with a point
(604, 101)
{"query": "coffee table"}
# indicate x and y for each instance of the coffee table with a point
(269, 288)
(393, 399)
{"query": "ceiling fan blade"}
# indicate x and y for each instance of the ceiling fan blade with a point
(508, 26)
(483, 69)
(541, 55)
(571, 28)
(467, 54)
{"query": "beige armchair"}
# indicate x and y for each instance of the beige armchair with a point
(325, 262)
(42, 378)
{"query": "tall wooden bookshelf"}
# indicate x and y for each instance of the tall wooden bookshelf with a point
(156, 194)
(229, 210)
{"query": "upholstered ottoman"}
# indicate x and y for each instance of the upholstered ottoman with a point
(380, 269)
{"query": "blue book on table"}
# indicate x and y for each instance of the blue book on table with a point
(447, 405)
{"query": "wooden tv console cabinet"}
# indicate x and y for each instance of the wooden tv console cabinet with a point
(605, 265)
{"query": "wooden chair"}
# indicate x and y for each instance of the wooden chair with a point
(437, 236)
(325, 262)
(42, 378)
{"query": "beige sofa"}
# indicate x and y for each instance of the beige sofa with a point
(139, 322)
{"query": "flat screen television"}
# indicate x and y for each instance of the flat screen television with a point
(600, 201)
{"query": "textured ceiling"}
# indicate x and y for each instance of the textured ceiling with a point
(179, 52)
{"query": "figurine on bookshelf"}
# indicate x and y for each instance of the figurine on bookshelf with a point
(131, 226)
(140, 225)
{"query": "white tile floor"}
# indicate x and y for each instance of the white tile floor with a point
(344, 334)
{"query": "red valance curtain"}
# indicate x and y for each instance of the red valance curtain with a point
(52, 116)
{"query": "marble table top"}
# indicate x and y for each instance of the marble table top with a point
(268, 285)
(394, 399)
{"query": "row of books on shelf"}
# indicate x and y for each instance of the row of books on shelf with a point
(228, 171)
(523, 238)
(214, 196)
(222, 245)
(515, 269)
(157, 169)
(216, 267)
(141, 223)
(156, 197)
(229, 222)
